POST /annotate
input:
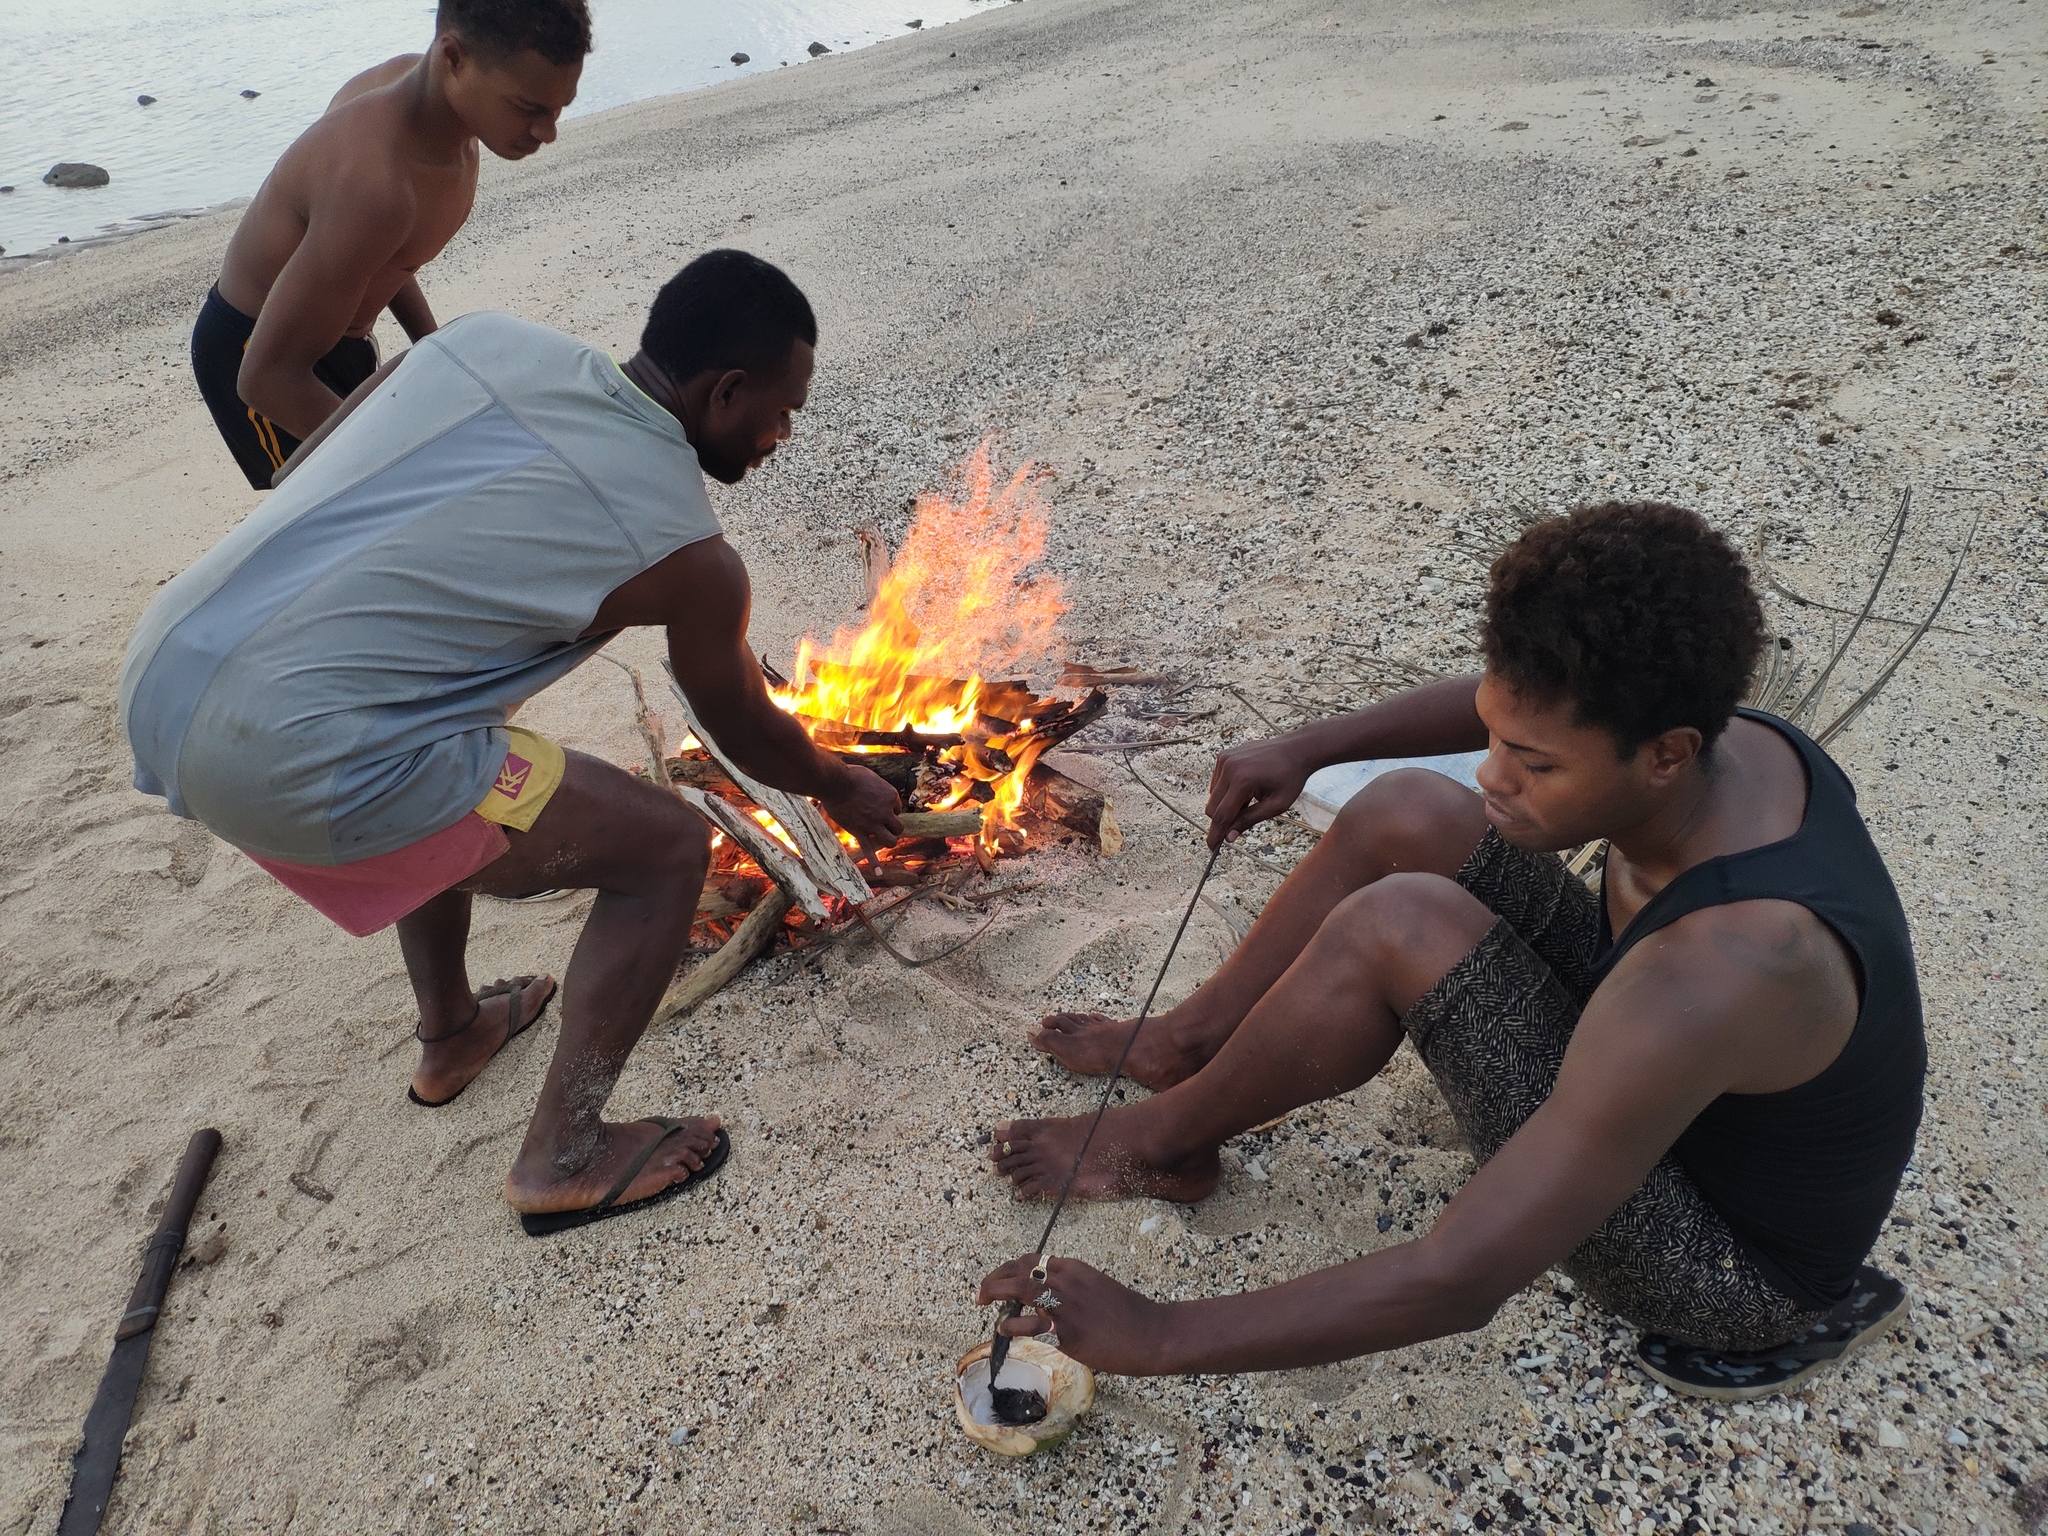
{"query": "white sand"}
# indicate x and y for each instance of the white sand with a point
(1173, 251)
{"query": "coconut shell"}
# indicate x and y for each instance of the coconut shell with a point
(1069, 1394)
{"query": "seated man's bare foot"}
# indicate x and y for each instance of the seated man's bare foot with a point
(1088, 1043)
(1034, 1155)
(535, 1186)
(452, 1056)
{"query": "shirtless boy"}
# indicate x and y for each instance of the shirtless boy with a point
(1694, 1093)
(363, 199)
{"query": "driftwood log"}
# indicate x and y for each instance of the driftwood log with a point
(818, 845)
(728, 896)
(752, 936)
(963, 821)
(705, 773)
(1050, 794)
(776, 861)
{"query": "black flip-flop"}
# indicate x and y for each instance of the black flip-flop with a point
(547, 1223)
(517, 987)
(1873, 1304)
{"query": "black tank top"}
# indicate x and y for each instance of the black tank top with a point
(1806, 1177)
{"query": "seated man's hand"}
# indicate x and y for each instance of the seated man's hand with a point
(1251, 784)
(1101, 1324)
(863, 804)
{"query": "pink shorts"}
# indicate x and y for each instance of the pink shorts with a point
(372, 894)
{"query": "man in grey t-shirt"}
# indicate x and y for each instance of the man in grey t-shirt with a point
(330, 687)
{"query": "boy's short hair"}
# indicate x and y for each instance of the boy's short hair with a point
(727, 309)
(1638, 613)
(557, 30)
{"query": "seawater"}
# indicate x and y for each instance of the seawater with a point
(70, 72)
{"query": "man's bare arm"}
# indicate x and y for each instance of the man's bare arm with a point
(356, 397)
(354, 231)
(1676, 1025)
(702, 595)
(1259, 780)
(409, 308)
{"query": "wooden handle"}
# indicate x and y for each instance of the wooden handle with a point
(161, 1256)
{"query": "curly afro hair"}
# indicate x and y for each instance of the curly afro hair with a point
(1637, 612)
(557, 30)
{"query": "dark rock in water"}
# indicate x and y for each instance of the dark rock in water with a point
(6, 189)
(63, 239)
(817, 48)
(741, 58)
(145, 101)
(1015, 1405)
(915, 25)
(75, 173)
(250, 95)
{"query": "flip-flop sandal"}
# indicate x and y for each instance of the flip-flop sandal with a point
(517, 987)
(1873, 1304)
(547, 1223)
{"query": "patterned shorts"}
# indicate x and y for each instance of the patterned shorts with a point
(1493, 1034)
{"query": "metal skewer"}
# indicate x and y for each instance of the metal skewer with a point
(999, 1350)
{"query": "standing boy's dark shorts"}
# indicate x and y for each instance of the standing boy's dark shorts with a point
(259, 445)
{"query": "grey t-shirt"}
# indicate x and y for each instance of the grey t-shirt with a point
(331, 681)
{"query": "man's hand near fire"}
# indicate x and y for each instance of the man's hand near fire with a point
(864, 806)
(702, 596)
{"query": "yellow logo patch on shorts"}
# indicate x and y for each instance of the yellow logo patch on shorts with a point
(531, 772)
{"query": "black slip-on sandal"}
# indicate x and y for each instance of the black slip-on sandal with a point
(517, 987)
(1873, 1304)
(547, 1223)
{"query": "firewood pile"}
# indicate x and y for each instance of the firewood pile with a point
(783, 875)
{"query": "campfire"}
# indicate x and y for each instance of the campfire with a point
(931, 693)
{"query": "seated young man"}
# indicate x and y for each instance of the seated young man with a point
(359, 203)
(329, 688)
(1694, 1092)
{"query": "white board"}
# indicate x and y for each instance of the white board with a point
(1328, 788)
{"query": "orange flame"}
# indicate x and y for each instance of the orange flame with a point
(956, 608)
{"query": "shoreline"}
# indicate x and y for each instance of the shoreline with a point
(142, 223)
(114, 234)
(1304, 312)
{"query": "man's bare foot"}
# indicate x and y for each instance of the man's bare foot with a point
(1088, 1043)
(532, 1186)
(452, 1056)
(1034, 1155)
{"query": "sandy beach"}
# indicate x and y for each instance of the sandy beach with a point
(1306, 307)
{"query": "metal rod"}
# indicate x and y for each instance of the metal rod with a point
(1000, 1349)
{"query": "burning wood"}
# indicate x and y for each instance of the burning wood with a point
(815, 843)
(930, 694)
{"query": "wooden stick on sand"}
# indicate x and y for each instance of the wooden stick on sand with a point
(710, 978)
